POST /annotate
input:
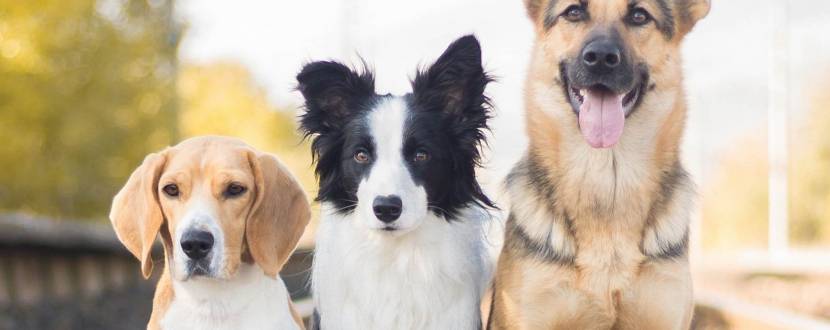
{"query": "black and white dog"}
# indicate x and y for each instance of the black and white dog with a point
(400, 243)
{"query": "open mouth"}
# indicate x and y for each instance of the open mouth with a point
(602, 111)
(628, 100)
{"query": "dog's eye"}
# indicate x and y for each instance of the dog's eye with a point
(639, 16)
(362, 157)
(574, 13)
(235, 189)
(171, 190)
(421, 156)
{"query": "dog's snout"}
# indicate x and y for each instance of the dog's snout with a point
(387, 208)
(196, 244)
(602, 55)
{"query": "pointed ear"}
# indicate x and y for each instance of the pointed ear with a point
(691, 11)
(278, 216)
(332, 92)
(455, 83)
(136, 213)
(534, 7)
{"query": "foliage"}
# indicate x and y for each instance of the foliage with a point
(86, 90)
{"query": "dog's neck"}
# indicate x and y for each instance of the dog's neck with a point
(618, 178)
(597, 206)
(249, 299)
(429, 278)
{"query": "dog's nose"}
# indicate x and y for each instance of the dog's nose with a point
(387, 208)
(601, 55)
(196, 244)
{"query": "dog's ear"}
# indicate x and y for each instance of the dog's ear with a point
(332, 93)
(279, 214)
(136, 213)
(691, 11)
(455, 83)
(534, 7)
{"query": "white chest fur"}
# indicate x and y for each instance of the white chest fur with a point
(430, 278)
(251, 300)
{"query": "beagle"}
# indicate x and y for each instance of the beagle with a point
(229, 217)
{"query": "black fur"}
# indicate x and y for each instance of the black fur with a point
(453, 89)
(670, 181)
(314, 322)
(530, 173)
(673, 250)
(334, 96)
(516, 239)
(666, 23)
(448, 113)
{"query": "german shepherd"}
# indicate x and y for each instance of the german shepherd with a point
(598, 228)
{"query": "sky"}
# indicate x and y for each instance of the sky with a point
(728, 57)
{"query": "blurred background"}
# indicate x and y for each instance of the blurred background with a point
(89, 87)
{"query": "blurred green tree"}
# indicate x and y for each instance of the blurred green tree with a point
(87, 88)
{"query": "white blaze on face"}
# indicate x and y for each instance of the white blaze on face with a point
(389, 175)
(199, 216)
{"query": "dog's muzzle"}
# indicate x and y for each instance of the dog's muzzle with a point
(603, 87)
(197, 245)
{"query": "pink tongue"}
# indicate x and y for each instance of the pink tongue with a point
(601, 118)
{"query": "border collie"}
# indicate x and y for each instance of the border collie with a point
(400, 243)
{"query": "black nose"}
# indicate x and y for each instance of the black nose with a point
(387, 208)
(601, 55)
(196, 244)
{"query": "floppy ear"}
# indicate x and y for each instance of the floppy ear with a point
(690, 12)
(279, 214)
(136, 213)
(455, 83)
(332, 92)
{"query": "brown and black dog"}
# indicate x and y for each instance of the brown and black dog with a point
(598, 228)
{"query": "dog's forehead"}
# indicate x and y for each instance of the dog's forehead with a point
(610, 8)
(208, 154)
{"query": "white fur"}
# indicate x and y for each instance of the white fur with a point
(426, 274)
(199, 216)
(431, 278)
(389, 174)
(250, 300)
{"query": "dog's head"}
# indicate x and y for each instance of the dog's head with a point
(217, 203)
(606, 56)
(392, 160)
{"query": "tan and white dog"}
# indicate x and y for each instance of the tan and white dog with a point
(229, 218)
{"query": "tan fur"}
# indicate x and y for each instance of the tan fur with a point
(609, 216)
(267, 222)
